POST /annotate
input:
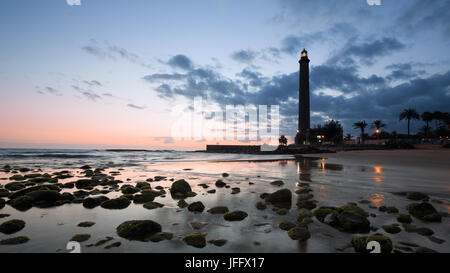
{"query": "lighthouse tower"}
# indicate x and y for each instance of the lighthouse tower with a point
(303, 104)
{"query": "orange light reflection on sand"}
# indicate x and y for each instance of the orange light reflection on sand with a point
(378, 169)
(377, 198)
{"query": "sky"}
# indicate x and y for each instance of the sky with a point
(109, 73)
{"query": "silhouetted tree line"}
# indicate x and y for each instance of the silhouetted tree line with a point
(332, 130)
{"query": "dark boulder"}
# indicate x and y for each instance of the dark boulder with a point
(281, 197)
(196, 207)
(197, 239)
(424, 211)
(180, 189)
(92, 202)
(235, 215)
(139, 230)
(218, 210)
(15, 241)
(12, 226)
(117, 203)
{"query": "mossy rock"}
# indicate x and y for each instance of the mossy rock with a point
(280, 196)
(153, 205)
(306, 204)
(278, 183)
(299, 233)
(404, 218)
(160, 236)
(235, 215)
(12, 226)
(127, 189)
(17, 177)
(143, 185)
(393, 229)
(424, 211)
(322, 212)
(80, 238)
(419, 230)
(4, 193)
(15, 241)
(182, 204)
(360, 243)
(117, 203)
(196, 207)
(218, 242)
(417, 196)
(159, 178)
(218, 210)
(15, 186)
(86, 224)
(261, 205)
(139, 230)
(69, 185)
(143, 198)
(80, 194)
(220, 184)
(22, 203)
(180, 187)
(92, 202)
(46, 187)
(286, 225)
(196, 239)
(303, 213)
(45, 198)
(86, 183)
(282, 211)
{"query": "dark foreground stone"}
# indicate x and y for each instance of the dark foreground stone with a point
(15, 241)
(139, 230)
(12, 226)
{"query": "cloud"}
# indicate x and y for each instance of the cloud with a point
(92, 83)
(136, 106)
(244, 56)
(97, 52)
(366, 52)
(90, 95)
(422, 15)
(123, 53)
(114, 52)
(180, 61)
(403, 71)
(357, 97)
(47, 90)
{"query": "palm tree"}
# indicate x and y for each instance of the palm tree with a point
(362, 126)
(409, 114)
(378, 124)
(283, 140)
(427, 117)
(348, 137)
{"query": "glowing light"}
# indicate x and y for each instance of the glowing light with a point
(378, 169)
(377, 131)
(304, 53)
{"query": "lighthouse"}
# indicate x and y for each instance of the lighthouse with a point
(302, 136)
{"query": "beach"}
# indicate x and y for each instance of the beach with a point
(372, 180)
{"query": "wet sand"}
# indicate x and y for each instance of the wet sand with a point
(335, 180)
